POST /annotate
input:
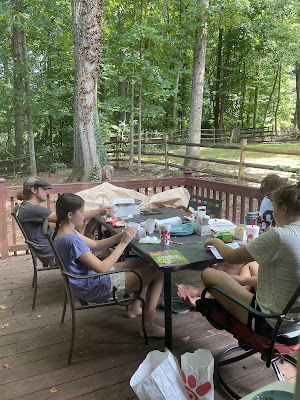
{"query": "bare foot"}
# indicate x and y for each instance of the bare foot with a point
(134, 309)
(154, 331)
(191, 301)
(187, 290)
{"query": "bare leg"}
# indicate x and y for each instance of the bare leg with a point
(152, 277)
(135, 309)
(225, 281)
(247, 275)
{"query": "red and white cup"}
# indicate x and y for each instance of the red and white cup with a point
(165, 232)
(252, 232)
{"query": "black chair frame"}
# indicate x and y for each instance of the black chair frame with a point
(273, 349)
(213, 206)
(85, 305)
(31, 246)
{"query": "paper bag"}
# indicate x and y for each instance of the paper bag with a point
(197, 373)
(159, 378)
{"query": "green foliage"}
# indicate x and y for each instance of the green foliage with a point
(95, 174)
(56, 166)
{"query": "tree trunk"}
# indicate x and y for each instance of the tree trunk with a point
(139, 164)
(224, 85)
(87, 38)
(8, 109)
(278, 100)
(19, 93)
(270, 97)
(28, 106)
(297, 95)
(194, 131)
(255, 100)
(131, 155)
(174, 114)
(121, 113)
(218, 78)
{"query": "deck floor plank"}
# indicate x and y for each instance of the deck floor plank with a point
(34, 345)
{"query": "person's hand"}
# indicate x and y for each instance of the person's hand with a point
(104, 210)
(210, 242)
(128, 234)
(268, 228)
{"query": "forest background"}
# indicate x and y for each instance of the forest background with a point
(252, 70)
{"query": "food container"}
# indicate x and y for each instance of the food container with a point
(226, 237)
(240, 233)
(125, 207)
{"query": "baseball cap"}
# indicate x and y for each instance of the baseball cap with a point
(37, 182)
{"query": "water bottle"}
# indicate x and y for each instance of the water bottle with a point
(251, 215)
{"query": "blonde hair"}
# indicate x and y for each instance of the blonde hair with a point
(289, 196)
(272, 182)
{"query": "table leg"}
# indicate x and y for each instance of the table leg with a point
(168, 308)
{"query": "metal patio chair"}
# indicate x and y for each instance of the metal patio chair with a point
(213, 206)
(31, 246)
(69, 296)
(283, 341)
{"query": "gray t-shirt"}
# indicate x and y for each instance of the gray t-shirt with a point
(277, 252)
(31, 217)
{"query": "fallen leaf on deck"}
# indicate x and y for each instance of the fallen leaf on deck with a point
(4, 265)
(39, 316)
(22, 298)
(53, 390)
(27, 258)
(7, 366)
(3, 326)
(2, 307)
(5, 278)
(29, 314)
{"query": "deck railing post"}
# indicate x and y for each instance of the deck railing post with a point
(166, 152)
(242, 160)
(3, 223)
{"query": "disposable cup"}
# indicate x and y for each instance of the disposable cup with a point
(252, 232)
(149, 225)
(164, 232)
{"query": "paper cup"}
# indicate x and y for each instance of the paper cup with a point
(252, 232)
(149, 225)
(165, 231)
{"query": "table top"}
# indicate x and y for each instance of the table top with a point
(190, 248)
(278, 385)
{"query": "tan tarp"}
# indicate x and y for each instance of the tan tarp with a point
(106, 192)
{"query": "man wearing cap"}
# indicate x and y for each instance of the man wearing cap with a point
(32, 215)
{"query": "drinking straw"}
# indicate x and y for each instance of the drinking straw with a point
(252, 221)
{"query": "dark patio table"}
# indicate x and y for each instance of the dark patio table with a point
(198, 256)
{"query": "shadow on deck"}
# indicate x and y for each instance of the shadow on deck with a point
(34, 345)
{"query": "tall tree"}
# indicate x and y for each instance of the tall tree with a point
(87, 37)
(194, 131)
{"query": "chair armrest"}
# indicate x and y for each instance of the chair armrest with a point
(241, 303)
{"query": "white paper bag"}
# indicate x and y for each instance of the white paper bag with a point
(197, 373)
(158, 378)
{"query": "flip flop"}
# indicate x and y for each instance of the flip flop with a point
(178, 306)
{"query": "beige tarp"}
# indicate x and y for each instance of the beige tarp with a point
(106, 192)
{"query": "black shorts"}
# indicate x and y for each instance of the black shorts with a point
(258, 324)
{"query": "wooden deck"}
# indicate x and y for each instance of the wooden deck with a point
(34, 345)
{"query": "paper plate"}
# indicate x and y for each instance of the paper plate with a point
(181, 230)
(274, 395)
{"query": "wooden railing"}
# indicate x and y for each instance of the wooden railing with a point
(237, 200)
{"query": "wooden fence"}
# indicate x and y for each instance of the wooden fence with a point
(237, 200)
(164, 154)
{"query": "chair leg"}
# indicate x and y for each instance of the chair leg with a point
(143, 320)
(34, 281)
(221, 361)
(72, 337)
(276, 368)
(64, 308)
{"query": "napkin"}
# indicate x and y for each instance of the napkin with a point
(149, 239)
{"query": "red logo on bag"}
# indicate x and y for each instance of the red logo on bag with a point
(201, 390)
